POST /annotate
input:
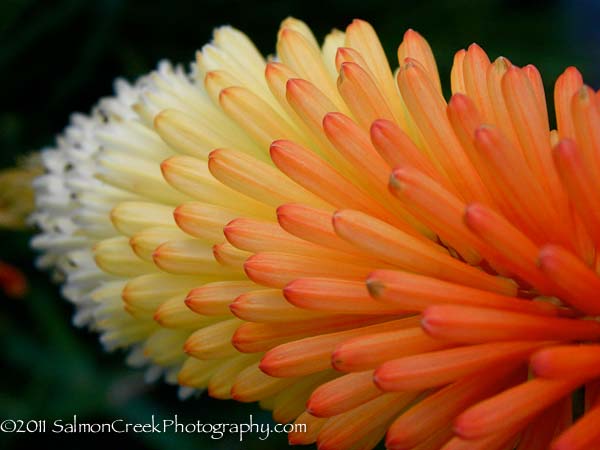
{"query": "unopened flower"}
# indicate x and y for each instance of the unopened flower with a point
(334, 240)
(12, 281)
(16, 193)
(16, 204)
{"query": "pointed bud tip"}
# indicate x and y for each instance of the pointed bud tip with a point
(157, 253)
(286, 33)
(214, 154)
(160, 118)
(235, 308)
(374, 286)
(484, 133)
(409, 65)
(289, 290)
(271, 68)
(332, 120)
(459, 101)
(235, 395)
(279, 148)
(357, 23)
(398, 178)
(379, 379)
(540, 362)
(474, 213)
(411, 34)
(126, 294)
(501, 64)
(337, 218)
(337, 360)
(165, 165)
(210, 76)
(267, 366)
(252, 268)
(279, 143)
(571, 70)
(584, 93)
(294, 84)
(188, 348)
(343, 52)
(230, 228)
(158, 317)
(226, 92)
(179, 215)
(189, 302)
(547, 256)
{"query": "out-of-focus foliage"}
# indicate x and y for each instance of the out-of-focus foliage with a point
(60, 56)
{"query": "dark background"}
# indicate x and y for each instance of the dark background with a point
(57, 57)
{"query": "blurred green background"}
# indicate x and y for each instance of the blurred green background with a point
(57, 57)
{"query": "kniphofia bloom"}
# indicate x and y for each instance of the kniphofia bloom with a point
(336, 241)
